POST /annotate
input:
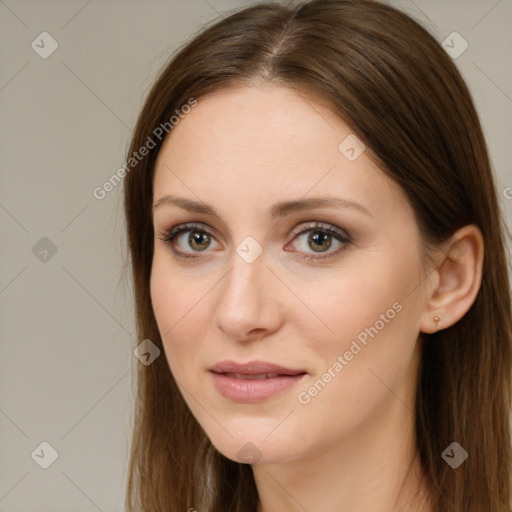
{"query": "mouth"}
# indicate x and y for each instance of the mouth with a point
(257, 368)
(254, 381)
(248, 376)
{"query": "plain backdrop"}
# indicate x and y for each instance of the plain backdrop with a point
(67, 324)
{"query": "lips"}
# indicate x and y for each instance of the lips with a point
(249, 376)
(254, 381)
(254, 368)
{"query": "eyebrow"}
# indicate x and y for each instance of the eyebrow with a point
(278, 210)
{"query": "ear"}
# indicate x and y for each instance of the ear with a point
(455, 281)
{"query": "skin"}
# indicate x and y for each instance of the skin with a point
(241, 150)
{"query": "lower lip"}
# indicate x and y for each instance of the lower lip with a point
(253, 390)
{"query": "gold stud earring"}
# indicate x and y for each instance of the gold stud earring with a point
(436, 320)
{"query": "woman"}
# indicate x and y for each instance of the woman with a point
(318, 251)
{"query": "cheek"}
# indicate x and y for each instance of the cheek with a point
(163, 295)
(342, 305)
(376, 353)
(371, 316)
(177, 308)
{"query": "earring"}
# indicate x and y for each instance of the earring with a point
(436, 320)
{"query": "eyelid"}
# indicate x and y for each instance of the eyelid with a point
(321, 226)
(187, 226)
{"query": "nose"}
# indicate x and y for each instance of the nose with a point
(248, 305)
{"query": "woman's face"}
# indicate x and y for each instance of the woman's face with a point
(329, 293)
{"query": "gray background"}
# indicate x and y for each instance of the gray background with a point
(66, 326)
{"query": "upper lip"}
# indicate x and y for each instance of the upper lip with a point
(253, 368)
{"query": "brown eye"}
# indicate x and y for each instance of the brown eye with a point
(320, 239)
(198, 240)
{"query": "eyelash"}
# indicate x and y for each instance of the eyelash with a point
(169, 236)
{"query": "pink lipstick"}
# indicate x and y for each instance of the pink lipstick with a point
(254, 381)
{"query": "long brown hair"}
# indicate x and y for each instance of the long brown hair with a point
(402, 95)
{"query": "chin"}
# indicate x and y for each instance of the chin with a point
(255, 449)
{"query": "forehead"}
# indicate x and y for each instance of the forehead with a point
(252, 119)
(266, 142)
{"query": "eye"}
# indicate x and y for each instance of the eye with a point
(319, 240)
(199, 239)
